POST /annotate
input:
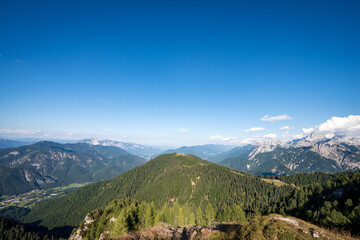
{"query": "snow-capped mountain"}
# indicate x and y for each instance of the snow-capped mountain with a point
(136, 149)
(315, 152)
(318, 142)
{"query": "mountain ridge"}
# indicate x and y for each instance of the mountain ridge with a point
(136, 149)
(317, 151)
(69, 163)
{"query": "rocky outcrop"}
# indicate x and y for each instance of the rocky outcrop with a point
(266, 227)
(79, 233)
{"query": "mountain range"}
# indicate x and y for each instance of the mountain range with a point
(136, 149)
(45, 164)
(206, 151)
(312, 153)
(6, 143)
(183, 190)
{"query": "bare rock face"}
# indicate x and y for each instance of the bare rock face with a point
(78, 234)
(347, 157)
(344, 151)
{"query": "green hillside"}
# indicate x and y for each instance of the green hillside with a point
(333, 203)
(327, 200)
(185, 179)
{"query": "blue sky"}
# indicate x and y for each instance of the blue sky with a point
(175, 72)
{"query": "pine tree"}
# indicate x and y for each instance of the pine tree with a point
(191, 219)
(226, 214)
(148, 216)
(199, 217)
(239, 214)
(120, 224)
(175, 212)
(186, 211)
(209, 214)
(181, 217)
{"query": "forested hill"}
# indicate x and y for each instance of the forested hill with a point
(185, 179)
(333, 202)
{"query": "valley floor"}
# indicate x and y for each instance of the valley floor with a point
(29, 199)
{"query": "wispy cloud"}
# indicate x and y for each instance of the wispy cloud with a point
(270, 135)
(18, 131)
(19, 61)
(182, 130)
(220, 138)
(251, 140)
(267, 118)
(254, 129)
(285, 128)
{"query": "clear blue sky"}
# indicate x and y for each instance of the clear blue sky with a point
(142, 70)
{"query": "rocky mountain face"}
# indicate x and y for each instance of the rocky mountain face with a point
(136, 149)
(52, 163)
(315, 152)
(18, 180)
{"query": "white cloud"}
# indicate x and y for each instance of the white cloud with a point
(308, 130)
(267, 118)
(254, 129)
(220, 138)
(285, 128)
(183, 130)
(270, 135)
(248, 140)
(19, 61)
(349, 126)
(18, 131)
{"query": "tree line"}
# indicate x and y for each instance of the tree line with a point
(125, 215)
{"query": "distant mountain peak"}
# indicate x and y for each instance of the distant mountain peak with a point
(136, 149)
(317, 151)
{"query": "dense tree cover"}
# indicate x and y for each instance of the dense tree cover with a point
(334, 203)
(185, 179)
(129, 219)
(122, 216)
(275, 227)
(10, 230)
(14, 213)
(301, 179)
